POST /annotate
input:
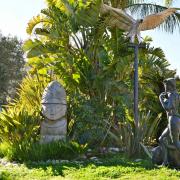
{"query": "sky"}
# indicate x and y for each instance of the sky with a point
(170, 43)
(15, 14)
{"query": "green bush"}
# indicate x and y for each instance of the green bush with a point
(27, 151)
(18, 125)
(90, 121)
(20, 120)
(5, 175)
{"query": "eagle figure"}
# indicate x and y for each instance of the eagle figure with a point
(118, 18)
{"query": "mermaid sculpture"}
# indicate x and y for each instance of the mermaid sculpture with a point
(169, 140)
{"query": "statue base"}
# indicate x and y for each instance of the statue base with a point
(51, 138)
(173, 157)
(53, 130)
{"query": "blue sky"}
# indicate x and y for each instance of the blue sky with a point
(170, 43)
(15, 14)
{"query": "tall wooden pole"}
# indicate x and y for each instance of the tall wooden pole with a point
(136, 85)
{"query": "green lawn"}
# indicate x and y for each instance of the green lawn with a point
(115, 167)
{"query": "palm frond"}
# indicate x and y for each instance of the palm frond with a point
(35, 21)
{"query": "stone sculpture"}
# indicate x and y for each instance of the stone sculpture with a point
(54, 126)
(168, 153)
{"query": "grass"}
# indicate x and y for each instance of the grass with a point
(114, 167)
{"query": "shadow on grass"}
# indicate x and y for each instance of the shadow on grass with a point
(111, 161)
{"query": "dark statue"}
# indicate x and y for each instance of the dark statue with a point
(168, 151)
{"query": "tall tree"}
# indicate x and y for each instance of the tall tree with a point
(11, 66)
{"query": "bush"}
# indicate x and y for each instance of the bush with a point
(5, 175)
(27, 151)
(20, 120)
(18, 125)
(89, 121)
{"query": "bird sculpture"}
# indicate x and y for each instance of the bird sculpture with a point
(118, 18)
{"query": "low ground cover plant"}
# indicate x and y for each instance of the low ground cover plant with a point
(110, 167)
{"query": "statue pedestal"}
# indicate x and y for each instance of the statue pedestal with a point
(173, 157)
(53, 130)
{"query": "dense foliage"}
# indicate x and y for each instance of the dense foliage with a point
(28, 151)
(95, 65)
(20, 120)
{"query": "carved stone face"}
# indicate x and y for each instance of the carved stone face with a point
(54, 101)
(53, 110)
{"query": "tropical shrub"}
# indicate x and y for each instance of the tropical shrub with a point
(132, 138)
(96, 68)
(24, 111)
(90, 121)
(5, 175)
(30, 151)
(20, 119)
(18, 125)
